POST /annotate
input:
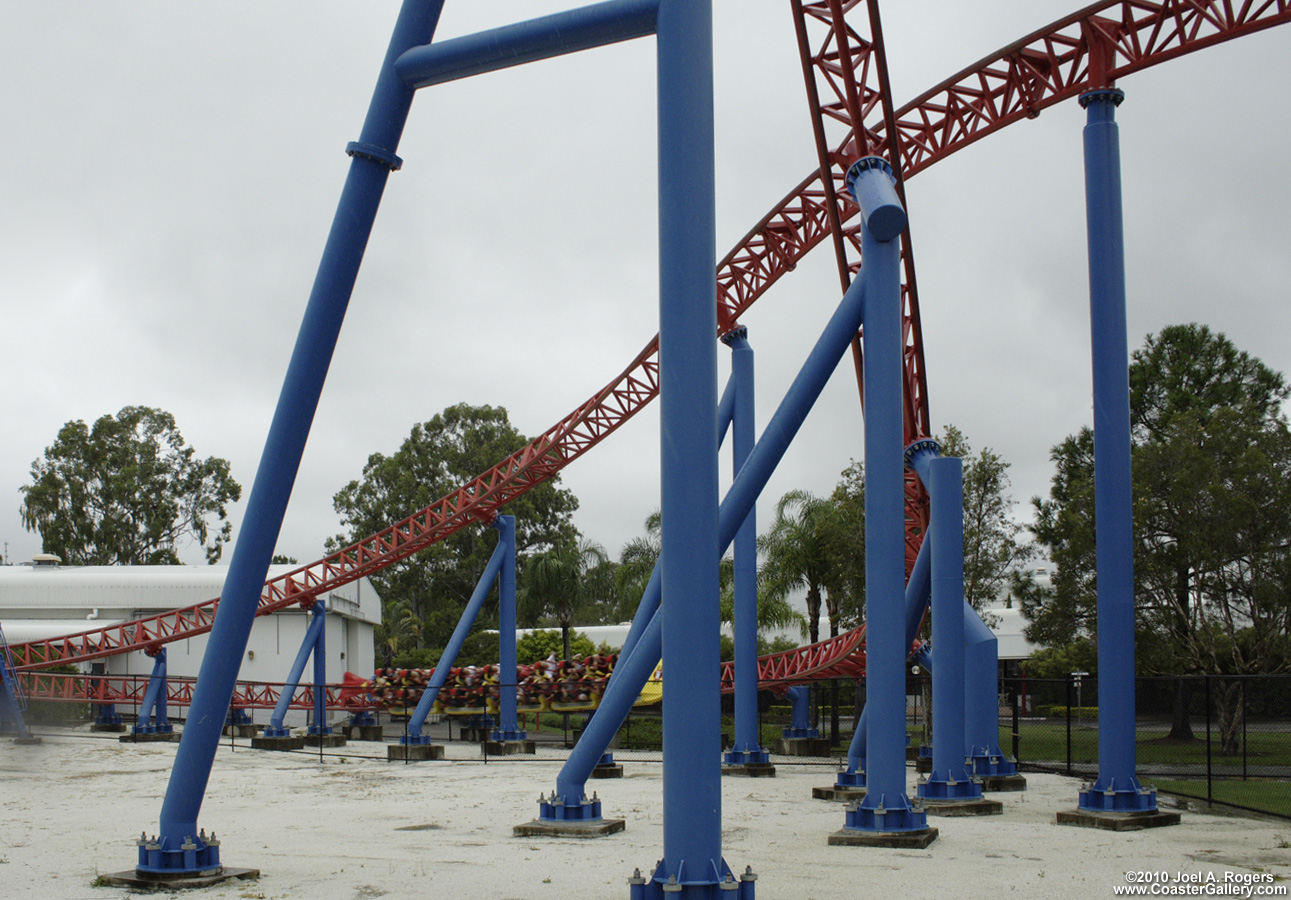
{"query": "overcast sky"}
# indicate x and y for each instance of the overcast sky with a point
(171, 171)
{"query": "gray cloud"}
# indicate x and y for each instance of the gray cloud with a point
(171, 174)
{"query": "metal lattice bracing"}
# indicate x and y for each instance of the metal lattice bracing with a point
(1090, 48)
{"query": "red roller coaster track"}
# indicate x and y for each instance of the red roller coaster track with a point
(1088, 49)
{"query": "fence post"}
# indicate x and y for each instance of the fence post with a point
(1017, 735)
(1069, 677)
(1209, 772)
(1244, 729)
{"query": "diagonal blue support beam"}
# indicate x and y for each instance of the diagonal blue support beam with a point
(154, 700)
(525, 42)
(179, 849)
(635, 666)
(440, 675)
(308, 645)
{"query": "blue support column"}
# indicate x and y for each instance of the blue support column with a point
(180, 849)
(917, 592)
(692, 863)
(635, 666)
(886, 808)
(982, 700)
(747, 749)
(508, 726)
(319, 726)
(800, 714)
(949, 779)
(491, 571)
(1117, 788)
(12, 700)
(276, 727)
(152, 717)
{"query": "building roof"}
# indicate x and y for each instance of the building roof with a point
(126, 592)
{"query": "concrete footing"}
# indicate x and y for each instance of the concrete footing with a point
(750, 770)
(905, 840)
(508, 748)
(278, 743)
(613, 770)
(576, 829)
(113, 727)
(132, 878)
(1119, 821)
(157, 737)
(413, 752)
(977, 807)
(28, 741)
(803, 746)
(847, 795)
(242, 731)
(324, 740)
(364, 732)
(1004, 783)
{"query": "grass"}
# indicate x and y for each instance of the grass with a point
(1265, 796)
(1048, 741)
(1156, 755)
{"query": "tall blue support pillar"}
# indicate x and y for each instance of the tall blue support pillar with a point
(508, 727)
(319, 727)
(692, 864)
(747, 757)
(179, 849)
(950, 786)
(886, 810)
(1117, 788)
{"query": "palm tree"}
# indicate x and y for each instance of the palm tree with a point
(797, 555)
(637, 560)
(564, 581)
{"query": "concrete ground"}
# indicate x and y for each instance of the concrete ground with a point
(353, 826)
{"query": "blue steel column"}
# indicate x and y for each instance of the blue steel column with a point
(886, 808)
(154, 700)
(949, 779)
(1117, 787)
(320, 726)
(747, 749)
(692, 786)
(446, 659)
(982, 698)
(635, 667)
(508, 728)
(372, 160)
(276, 728)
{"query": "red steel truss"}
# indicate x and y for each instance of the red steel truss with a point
(1090, 48)
(130, 689)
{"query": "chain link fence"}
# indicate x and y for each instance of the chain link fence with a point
(1224, 739)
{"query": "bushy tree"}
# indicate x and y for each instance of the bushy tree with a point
(1211, 459)
(127, 491)
(547, 643)
(994, 549)
(437, 457)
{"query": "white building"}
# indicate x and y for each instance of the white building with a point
(45, 600)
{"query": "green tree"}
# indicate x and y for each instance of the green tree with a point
(796, 553)
(544, 644)
(1211, 460)
(993, 548)
(637, 560)
(565, 581)
(437, 457)
(128, 491)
